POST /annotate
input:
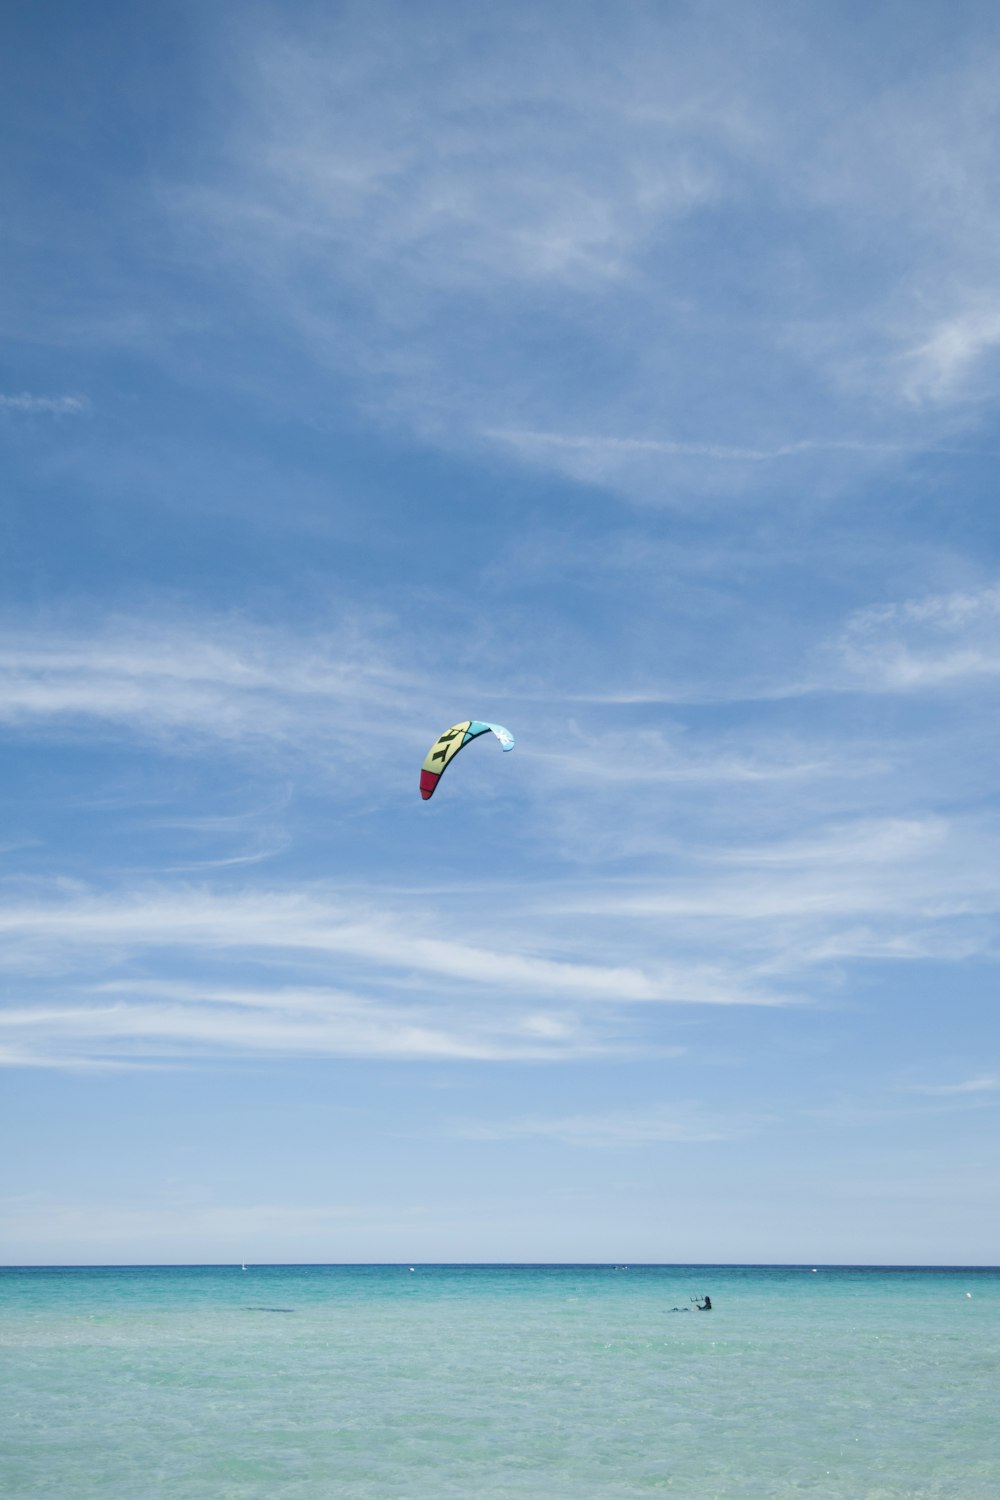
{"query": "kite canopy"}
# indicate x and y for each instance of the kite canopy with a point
(444, 749)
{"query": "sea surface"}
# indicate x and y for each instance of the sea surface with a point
(489, 1382)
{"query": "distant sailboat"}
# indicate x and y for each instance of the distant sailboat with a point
(243, 1266)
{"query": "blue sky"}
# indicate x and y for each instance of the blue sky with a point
(627, 376)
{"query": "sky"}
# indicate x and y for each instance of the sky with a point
(625, 375)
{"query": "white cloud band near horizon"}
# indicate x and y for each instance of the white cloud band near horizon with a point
(315, 969)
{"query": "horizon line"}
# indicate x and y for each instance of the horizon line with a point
(506, 1265)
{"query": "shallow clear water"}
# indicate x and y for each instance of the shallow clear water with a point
(534, 1383)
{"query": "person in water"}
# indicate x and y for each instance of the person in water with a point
(705, 1305)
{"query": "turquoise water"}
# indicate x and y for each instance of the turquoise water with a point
(534, 1383)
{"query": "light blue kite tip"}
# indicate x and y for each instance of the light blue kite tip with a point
(480, 726)
(504, 736)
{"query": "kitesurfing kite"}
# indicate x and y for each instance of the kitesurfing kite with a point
(447, 745)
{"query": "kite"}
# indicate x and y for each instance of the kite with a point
(447, 745)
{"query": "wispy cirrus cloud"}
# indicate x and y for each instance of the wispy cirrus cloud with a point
(653, 756)
(919, 646)
(923, 644)
(766, 862)
(196, 680)
(969, 1087)
(660, 195)
(405, 221)
(171, 1024)
(601, 452)
(380, 935)
(433, 292)
(35, 405)
(898, 890)
(554, 974)
(944, 367)
(327, 974)
(231, 678)
(668, 472)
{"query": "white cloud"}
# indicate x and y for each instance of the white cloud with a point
(385, 934)
(556, 971)
(598, 455)
(650, 757)
(182, 682)
(185, 682)
(941, 368)
(406, 220)
(409, 222)
(527, 162)
(386, 989)
(760, 864)
(987, 1084)
(43, 405)
(320, 1023)
(924, 644)
(899, 890)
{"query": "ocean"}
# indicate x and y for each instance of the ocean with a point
(499, 1383)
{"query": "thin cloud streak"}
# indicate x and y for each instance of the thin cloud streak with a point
(237, 683)
(650, 758)
(942, 367)
(971, 1086)
(168, 1033)
(896, 890)
(534, 443)
(922, 644)
(311, 926)
(181, 683)
(407, 995)
(44, 405)
(928, 645)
